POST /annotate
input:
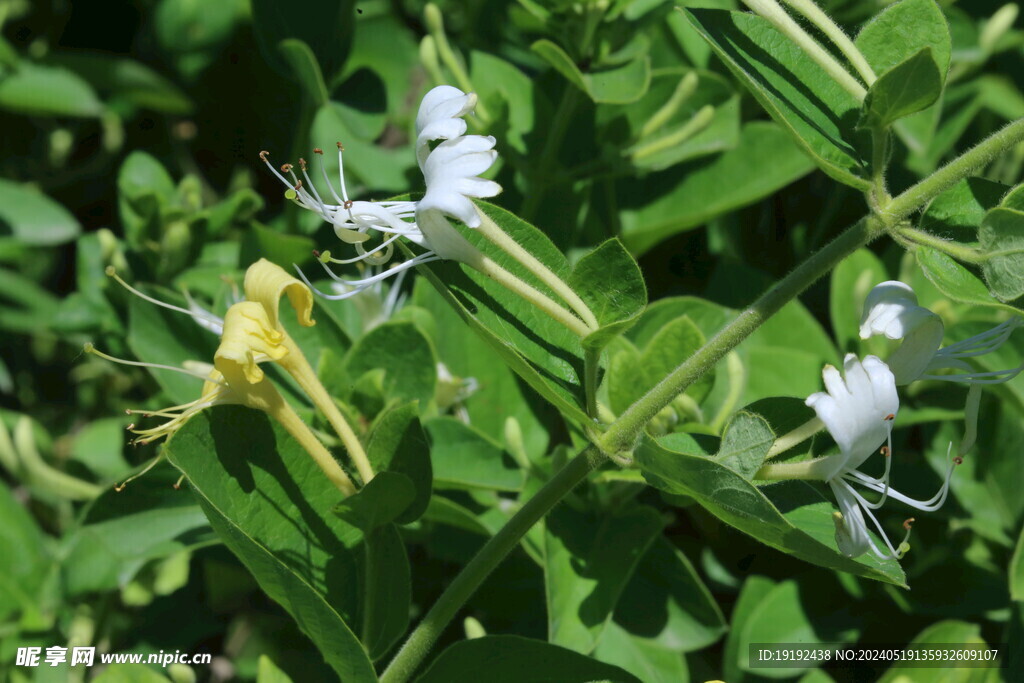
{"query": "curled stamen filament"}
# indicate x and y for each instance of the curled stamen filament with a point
(360, 285)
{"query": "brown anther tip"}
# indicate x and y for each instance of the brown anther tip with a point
(263, 154)
(958, 460)
(177, 486)
(298, 186)
(907, 523)
(285, 168)
(340, 146)
(885, 451)
(347, 204)
(302, 163)
(316, 254)
(890, 416)
(317, 150)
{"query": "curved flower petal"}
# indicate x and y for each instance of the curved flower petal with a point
(248, 338)
(266, 283)
(440, 117)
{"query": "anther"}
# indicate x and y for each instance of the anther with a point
(110, 271)
(120, 487)
(347, 204)
(298, 186)
(958, 460)
(302, 163)
(317, 150)
(890, 417)
(130, 427)
(286, 168)
(885, 451)
(341, 147)
(908, 523)
(263, 155)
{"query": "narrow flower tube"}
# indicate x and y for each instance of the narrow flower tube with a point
(265, 284)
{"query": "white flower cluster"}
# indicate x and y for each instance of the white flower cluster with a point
(859, 409)
(451, 171)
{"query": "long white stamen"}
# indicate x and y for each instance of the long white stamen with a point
(361, 285)
(998, 376)
(89, 348)
(341, 172)
(894, 554)
(930, 505)
(111, 272)
(362, 256)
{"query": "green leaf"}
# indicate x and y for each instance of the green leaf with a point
(541, 351)
(378, 168)
(38, 90)
(619, 84)
(745, 444)
(24, 305)
(22, 556)
(405, 355)
(1014, 199)
(388, 590)
(666, 603)
(305, 68)
(851, 281)
(270, 504)
(462, 457)
(802, 528)
(127, 530)
(512, 659)
(687, 196)
(33, 218)
(736, 657)
(795, 91)
(130, 673)
(647, 660)
(144, 189)
(127, 83)
(1002, 239)
(380, 502)
(270, 673)
(326, 26)
(158, 335)
(955, 281)
(962, 207)
(609, 281)
(632, 374)
(907, 88)
(397, 444)
(903, 29)
(587, 563)
(942, 633)
(1016, 571)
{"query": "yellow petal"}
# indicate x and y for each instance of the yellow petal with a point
(266, 282)
(247, 335)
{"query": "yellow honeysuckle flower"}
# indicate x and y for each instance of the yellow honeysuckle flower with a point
(248, 339)
(267, 282)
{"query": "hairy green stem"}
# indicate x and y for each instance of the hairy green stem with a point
(591, 367)
(621, 436)
(483, 563)
(958, 251)
(953, 172)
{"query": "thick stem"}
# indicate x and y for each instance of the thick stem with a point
(299, 368)
(773, 12)
(819, 469)
(953, 172)
(833, 32)
(489, 229)
(473, 574)
(879, 162)
(621, 436)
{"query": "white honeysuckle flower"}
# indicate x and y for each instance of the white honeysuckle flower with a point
(859, 410)
(891, 310)
(450, 170)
